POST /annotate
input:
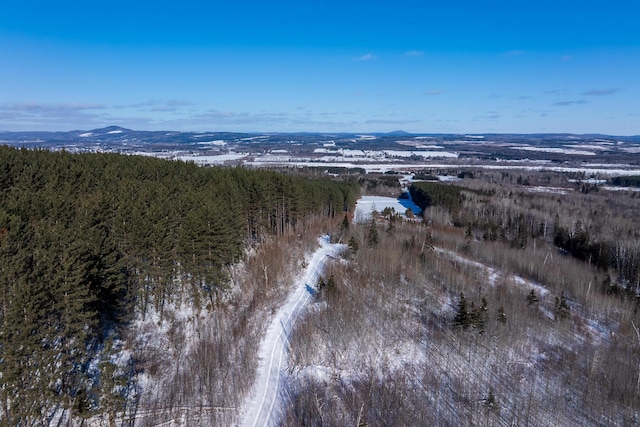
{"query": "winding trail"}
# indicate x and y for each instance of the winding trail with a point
(262, 406)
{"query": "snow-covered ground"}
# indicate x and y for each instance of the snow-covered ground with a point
(493, 274)
(611, 188)
(215, 142)
(421, 153)
(209, 160)
(550, 190)
(366, 205)
(375, 154)
(554, 150)
(262, 407)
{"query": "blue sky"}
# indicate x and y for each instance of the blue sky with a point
(328, 66)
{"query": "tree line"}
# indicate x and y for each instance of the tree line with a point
(87, 240)
(594, 228)
(626, 181)
(426, 194)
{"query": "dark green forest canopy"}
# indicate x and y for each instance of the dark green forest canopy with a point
(85, 238)
(426, 194)
(626, 181)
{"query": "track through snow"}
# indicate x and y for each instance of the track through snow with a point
(263, 402)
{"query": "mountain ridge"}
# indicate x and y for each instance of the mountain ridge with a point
(115, 132)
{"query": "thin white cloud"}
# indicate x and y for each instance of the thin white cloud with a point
(488, 115)
(600, 92)
(160, 105)
(42, 116)
(516, 52)
(163, 108)
(47, 116)
(45, 107)
(572, 102)
(389, 122)
(414, 53)
(557, 92)
(367, 57)
(178, 103)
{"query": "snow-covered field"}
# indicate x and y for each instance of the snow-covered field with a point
(373, 154)
(345, 152)
(421, 153)
(380, 161)
(215, 142)
(368, 204)
(550, 190)
(554, 150)
(209, 160)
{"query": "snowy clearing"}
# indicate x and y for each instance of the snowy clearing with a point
(366, 205)
(216, 142)
(550, 190)
(436, 154)
(209, 160)
(611, 188)
(553, 150)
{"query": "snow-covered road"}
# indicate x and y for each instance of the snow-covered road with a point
(262, 407)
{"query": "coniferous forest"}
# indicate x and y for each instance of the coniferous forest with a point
(86, 240)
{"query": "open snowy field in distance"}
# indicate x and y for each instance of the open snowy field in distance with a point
(366, 205)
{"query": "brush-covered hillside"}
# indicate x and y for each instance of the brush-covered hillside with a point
(515, 302)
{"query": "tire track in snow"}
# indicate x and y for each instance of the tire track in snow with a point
(264, 397)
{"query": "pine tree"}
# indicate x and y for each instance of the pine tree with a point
(491, 402)
(112, 385)
(392, 227)
(331, 284)
(481, 316)
(532, 298)
(372, 237)
(462, 317)
(562, 309)
(345, 222)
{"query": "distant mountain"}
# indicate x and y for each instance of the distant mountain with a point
(119, 138)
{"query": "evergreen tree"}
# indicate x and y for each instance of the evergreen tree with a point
(562, 309)
(345, 222)
(481, 316)
(372, 237)
(532, 298)
(391, 227)
(462, 317)
(491, 402)
(331, 284)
